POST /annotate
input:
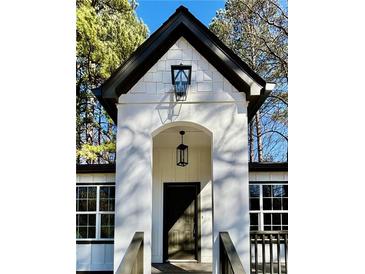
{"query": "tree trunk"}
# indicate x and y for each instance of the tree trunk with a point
(258, 136)
(251, 143)
(99, 127)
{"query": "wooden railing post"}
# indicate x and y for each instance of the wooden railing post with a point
(230, 262)
(132, 262)
(278, 254)
(286, 252)
(256, 255)
(263, 254)
(271, 238)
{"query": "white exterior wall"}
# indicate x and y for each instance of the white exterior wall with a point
(214, 106)
(269, 176)
(198, 170)
(95, 178)
(95, 257)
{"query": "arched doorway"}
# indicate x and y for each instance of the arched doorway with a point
(182, 196)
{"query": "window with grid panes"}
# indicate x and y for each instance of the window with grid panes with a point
(106, 206)
(268, 206)
(95, 212)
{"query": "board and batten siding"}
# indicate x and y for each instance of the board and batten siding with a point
(91, 256)
(268, 176)
(94, 257)
(165, 170)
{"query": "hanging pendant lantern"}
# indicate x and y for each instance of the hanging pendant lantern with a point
(182, 155)
(181, 78)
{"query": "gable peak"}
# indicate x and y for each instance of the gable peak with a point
(182, 8)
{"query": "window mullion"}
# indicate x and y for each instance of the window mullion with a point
(97, 223)
(261, 215)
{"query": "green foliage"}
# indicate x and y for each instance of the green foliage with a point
(94, 152)
(107, 32)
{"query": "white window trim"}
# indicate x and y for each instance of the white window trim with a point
(261, 211)
(97, 212)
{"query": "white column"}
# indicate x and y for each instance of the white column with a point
(230, 191)
(133, 201)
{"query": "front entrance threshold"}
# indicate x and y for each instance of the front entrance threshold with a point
(181, 261)
(180, 267)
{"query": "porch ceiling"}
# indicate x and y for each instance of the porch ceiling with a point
(171, 137)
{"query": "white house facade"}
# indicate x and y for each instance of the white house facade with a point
(96, 254)
(181, 189)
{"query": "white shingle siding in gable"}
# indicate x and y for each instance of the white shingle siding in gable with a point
(204, 78)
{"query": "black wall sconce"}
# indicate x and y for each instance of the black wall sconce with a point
(181, 78)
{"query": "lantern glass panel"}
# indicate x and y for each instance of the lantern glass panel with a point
(181, 78)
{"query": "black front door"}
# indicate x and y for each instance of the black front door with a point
(180, 221)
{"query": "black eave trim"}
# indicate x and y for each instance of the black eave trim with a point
(81, 242)
(94, 272)
(252, 166)
(256, 166)
(96, 184)
(95, 168)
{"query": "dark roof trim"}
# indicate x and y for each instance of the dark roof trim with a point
(109, 104)
(94, 272)
(83, 242)
(255, 166)
(110, 168)
(181, 24)
(255, 102)
(95, 168)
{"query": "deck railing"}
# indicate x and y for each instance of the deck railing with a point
(132, 262)
(269, 252)
(230, 263)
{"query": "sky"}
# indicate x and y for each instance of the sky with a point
(155, 13)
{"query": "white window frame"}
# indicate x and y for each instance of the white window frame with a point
(97, 212)
(261, 211)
